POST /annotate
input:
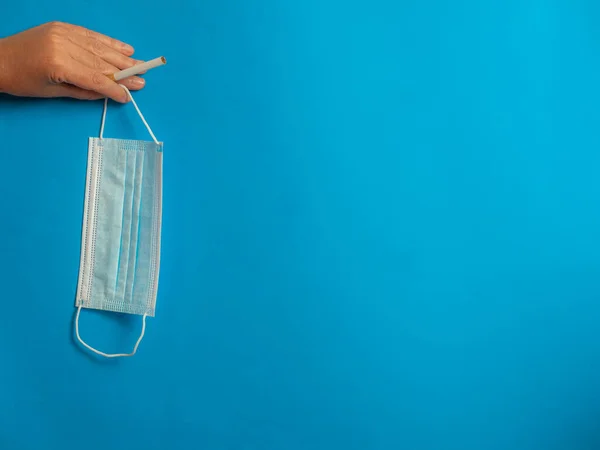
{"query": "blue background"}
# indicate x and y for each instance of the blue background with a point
(381, 231)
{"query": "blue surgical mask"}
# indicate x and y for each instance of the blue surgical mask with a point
(120, 250)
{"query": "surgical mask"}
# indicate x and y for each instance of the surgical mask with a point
(120, 249)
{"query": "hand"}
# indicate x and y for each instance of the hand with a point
(62, 60)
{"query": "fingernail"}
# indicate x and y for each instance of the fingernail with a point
(128, 48)
(138, 82)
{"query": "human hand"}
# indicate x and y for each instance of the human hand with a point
(62, 60)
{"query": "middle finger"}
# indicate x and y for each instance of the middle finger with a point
(92, 61)
(96, 47)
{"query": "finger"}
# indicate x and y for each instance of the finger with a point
(101, 50)
(90, 60)
(96, 63)
(66, 90)
(93, 80)
(139, 73)
(115, 44)
(133, 83)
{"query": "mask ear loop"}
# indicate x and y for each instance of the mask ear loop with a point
(136, 108)
(109, 355)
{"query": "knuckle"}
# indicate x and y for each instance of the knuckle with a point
(98, 64)
(97, 47)
(55, 40)
(57, 28)
(97, 78)
(57, 78)
(56, 75)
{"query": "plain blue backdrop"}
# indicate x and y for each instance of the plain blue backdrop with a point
(381, 231)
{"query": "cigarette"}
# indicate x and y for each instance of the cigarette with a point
(143, 67)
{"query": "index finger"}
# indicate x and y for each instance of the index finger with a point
(122, 47)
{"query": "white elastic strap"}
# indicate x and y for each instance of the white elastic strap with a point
(136, 108)
(110, 355)
(103, 117)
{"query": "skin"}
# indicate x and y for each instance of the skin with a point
(62, 60)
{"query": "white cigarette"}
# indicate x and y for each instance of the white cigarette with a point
(143, 67)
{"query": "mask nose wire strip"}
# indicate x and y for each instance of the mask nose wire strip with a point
(136, 108)
(110, 355)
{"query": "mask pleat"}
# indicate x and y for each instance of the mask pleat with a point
(128, 199)
(135, 226)
(146, 233)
